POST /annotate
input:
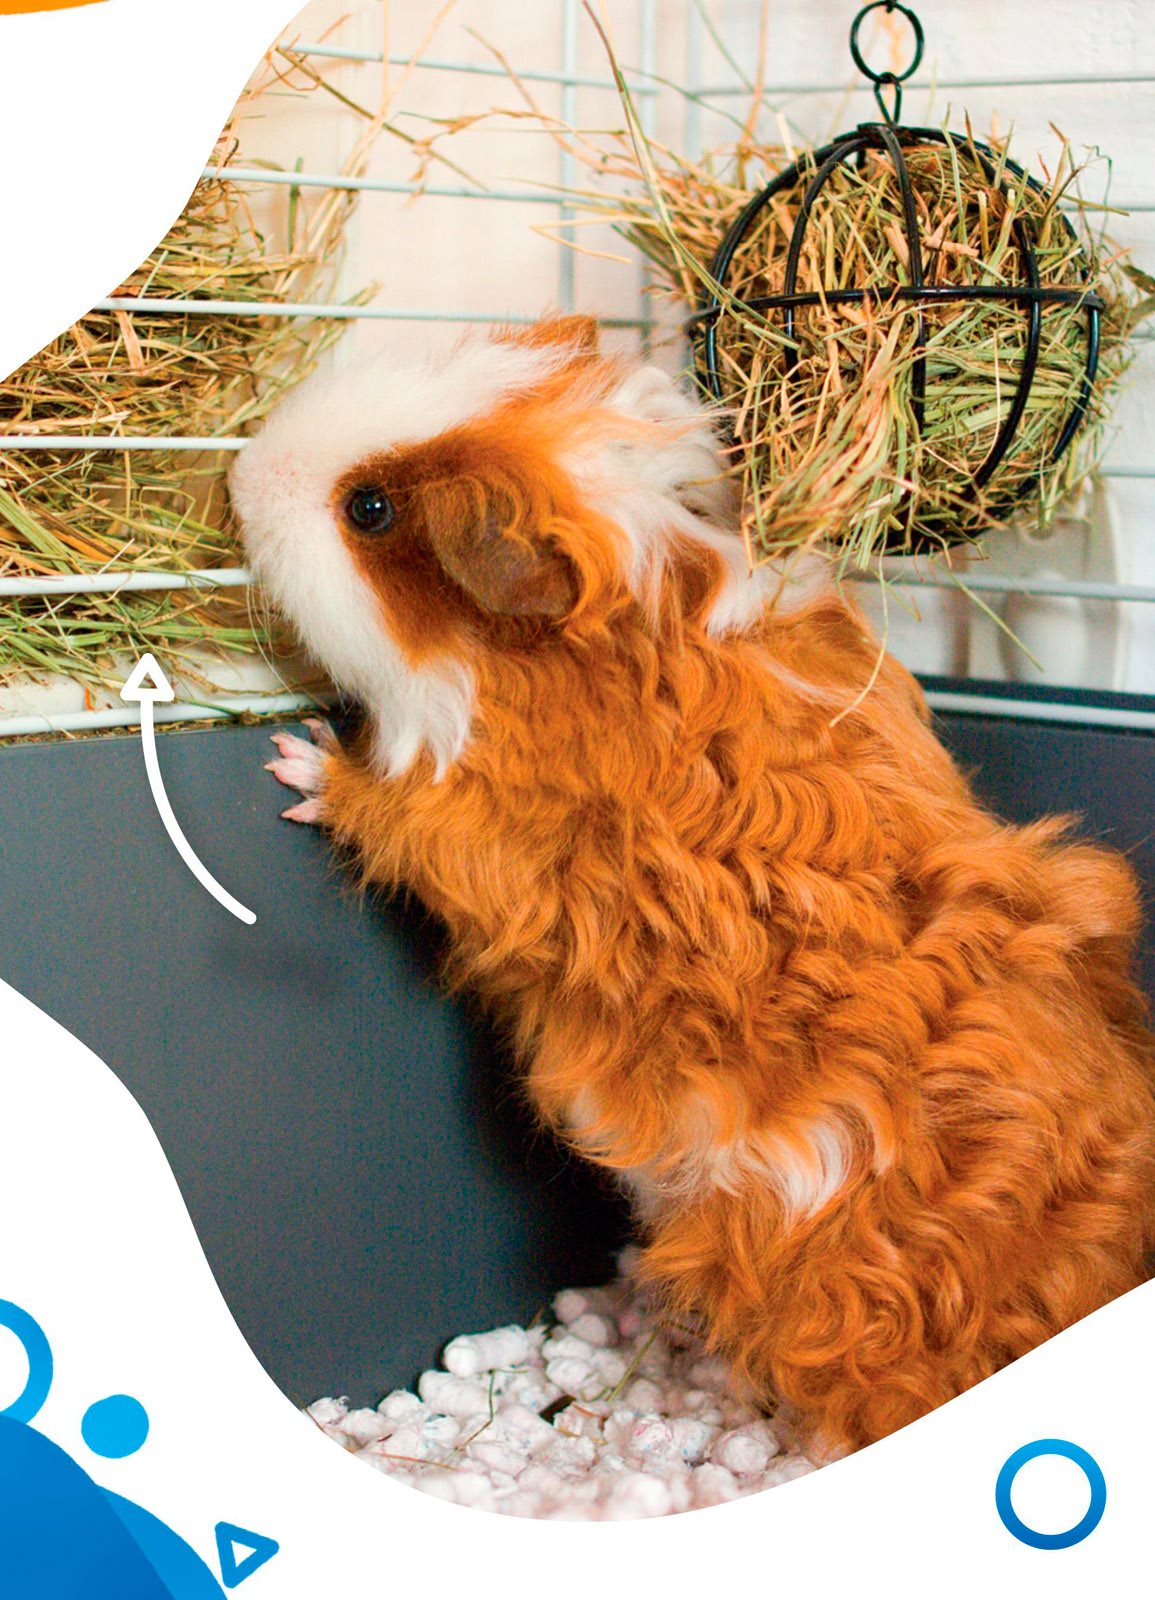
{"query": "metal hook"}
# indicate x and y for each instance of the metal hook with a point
(887, 80)
(891, 113)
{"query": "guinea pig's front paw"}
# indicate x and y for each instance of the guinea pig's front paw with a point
(302, 767)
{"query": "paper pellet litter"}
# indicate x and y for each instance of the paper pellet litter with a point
(607, 1414)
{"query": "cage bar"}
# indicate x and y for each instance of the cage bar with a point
(224, 709)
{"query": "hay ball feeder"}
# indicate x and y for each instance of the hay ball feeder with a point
(905, 330)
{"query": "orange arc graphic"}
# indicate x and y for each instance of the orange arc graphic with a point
(12, 7)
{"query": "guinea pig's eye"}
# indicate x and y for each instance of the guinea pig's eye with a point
(369, 510)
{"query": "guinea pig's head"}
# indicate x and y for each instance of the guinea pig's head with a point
(511, 495)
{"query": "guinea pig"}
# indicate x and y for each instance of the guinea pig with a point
(871, 1061)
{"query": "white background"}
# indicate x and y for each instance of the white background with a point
(107, 115)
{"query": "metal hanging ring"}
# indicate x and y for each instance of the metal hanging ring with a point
(891, 80)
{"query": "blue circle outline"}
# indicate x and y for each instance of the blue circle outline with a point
(39, 1352)
(1086, 1524)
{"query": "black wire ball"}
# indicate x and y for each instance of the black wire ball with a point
(997, 348)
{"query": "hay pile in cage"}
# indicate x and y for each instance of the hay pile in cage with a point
(153, 373)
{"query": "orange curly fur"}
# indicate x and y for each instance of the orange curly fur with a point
(723, 928)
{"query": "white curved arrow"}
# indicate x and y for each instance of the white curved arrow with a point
(146, 685)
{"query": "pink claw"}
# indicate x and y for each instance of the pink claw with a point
(309, 811)
(301, 766)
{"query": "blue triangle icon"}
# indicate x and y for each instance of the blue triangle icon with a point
(229, 1538)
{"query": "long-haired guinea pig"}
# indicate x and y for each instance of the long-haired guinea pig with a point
(871, 1061)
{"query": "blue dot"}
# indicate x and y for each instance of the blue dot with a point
(115, 1427)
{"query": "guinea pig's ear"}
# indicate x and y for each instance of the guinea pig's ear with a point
(475, 533)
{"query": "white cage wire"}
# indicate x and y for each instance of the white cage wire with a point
(684, 62)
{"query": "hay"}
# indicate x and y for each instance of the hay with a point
(92, 511)
(829, 446)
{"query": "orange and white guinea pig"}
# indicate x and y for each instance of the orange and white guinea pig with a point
(871, 1061)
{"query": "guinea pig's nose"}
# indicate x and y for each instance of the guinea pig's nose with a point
(252, 466)
(244, 477)
(236, 472)
(269, 491)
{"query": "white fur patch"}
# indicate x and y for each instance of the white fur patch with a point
(805, 1169)
(748, 591)
(805, 1163)
(676, 490)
